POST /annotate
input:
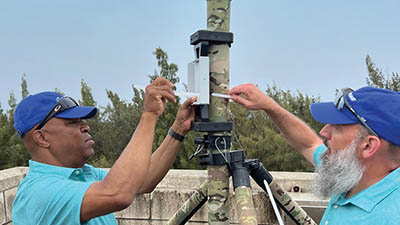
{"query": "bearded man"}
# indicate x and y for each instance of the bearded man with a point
(357, 158)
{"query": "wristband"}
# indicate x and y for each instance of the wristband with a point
(175, 135)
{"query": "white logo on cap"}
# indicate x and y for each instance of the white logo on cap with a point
(352, 98)
(57, 108)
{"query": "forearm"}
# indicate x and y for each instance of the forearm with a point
(162, 160)
(296, 132)
(130, 170)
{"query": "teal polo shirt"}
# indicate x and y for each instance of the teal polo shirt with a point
(377, 205)
(52, 195)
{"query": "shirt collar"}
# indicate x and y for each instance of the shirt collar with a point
(368, 198)
(42, 168)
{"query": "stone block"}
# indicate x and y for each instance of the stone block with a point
(9, 198)
(157, 222)
(133, 222)
(290, 181)
(10, 178)
(139, 209)
(158, 207)
(2, 209)
(264, 210)
(183, 179)
(165, 202)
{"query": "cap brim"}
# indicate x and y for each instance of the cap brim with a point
(81, 112)
(326, 112)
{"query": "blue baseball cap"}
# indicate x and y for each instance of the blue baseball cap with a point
(34, 108)
(378, 108)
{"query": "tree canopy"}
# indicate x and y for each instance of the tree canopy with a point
(115, 123)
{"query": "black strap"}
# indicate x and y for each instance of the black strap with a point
(175, 135)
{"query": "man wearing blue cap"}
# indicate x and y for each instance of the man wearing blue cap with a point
(60, 187)
(357, 156)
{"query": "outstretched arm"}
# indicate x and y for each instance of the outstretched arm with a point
(163, 158)
(127, 175)
(295, 131)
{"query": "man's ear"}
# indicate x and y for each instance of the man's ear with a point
(369, 146)
(39, 137)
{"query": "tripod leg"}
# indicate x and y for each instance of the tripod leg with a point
(218, 195)
(191, 206)
(284, 200)
(243, 195)
(245, 206)
(290, 205)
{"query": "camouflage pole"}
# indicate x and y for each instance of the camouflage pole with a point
(218, 19)
(190, 207)
(243, 194)
(290, 206)
(284, 200)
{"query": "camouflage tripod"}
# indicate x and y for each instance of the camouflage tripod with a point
(210, 72)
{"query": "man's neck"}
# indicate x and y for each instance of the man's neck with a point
(369, 178)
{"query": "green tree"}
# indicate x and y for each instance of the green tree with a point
(165, 121)
(96, 126)
(12, 150)
(4, 139)
(167, 70)
(86, 95)
(118, 122)
(114, 124)
(376, 78)
(24, 87)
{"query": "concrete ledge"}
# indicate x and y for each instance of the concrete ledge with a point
(2, 209)
(139, 209)
(157, 207)
(9, 181)
(10, 178)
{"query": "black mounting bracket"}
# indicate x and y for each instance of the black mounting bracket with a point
(218, 159)
(213, 37)
(214, 142)
(201, 113)
(212, 126)
(202, 40)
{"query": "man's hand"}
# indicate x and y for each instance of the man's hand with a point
(184, 117)
(254, 97)
(156, 95)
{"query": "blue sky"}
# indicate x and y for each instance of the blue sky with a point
(310, 46)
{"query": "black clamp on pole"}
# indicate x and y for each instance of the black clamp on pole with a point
(218, 159)
(212, 37)
(203, 39)
(212, 126)
(214, 142)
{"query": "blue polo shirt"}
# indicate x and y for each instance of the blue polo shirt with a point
(375, 205)
(52, 195)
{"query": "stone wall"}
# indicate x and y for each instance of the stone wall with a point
(157, 207)
(9, 180)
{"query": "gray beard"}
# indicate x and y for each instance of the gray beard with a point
(338, 172)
